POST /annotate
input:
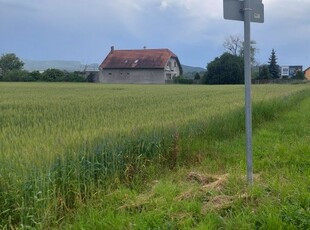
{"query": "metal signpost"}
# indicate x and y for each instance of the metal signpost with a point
(247, 11)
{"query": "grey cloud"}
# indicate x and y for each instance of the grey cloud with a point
(186, 26)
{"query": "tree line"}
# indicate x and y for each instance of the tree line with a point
(11, 69)
(229, 67)
(225, 69)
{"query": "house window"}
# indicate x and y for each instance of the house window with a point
(175, 64)
(110, 73)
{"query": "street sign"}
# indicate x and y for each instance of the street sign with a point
(234, 10)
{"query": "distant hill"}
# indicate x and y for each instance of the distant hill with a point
(32, 65)
(190, 69)
(71, 66)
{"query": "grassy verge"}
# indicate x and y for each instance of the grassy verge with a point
(208, 190)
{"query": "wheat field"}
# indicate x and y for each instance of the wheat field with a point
(58, 140)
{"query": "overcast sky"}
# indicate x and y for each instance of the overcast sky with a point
(84, 30)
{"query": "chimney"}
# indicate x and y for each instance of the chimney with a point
(112, 49)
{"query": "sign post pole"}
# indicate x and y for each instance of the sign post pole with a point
(247, 11)
(247, 80)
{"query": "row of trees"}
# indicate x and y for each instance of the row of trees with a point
(50, 75)
(229, 67)
(272, 71)
(11, 69)
(226, 69)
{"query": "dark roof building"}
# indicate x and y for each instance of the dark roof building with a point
(140, 66)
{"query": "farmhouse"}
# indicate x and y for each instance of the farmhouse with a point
(307, 73)
(140, 66)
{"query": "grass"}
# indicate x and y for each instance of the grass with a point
(64, 146)
(201, 197)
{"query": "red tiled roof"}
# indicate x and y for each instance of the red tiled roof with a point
(138, 59)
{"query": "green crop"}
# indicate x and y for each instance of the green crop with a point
(61, 142)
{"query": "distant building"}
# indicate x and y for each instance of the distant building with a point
(290, 71)
(307, 73)
(140, 66)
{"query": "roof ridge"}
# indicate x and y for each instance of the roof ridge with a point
(138, 58)
(141, 49)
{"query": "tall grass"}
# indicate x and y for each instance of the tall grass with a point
(62, 143)
(188, 199)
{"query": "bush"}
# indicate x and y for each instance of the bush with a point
(53, 75)
(17, 75)
(56, 75)
(299, 75)
(50, 75)
(74, 77)
(36, 75)
(264, 73)
(181, 80)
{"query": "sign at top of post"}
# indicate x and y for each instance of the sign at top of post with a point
(233, 10)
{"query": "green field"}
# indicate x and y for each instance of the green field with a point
(69, 146)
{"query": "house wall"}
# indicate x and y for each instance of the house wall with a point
(144, 76)
(307, 73)
(172, 69)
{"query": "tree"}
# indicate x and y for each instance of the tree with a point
(17, 75)
(36, 75)
(227, 69)
(235, 46)
(197, 76)
(274, 68)
(53, 75)
(264, 72)
(9, 62)
(299, 75)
